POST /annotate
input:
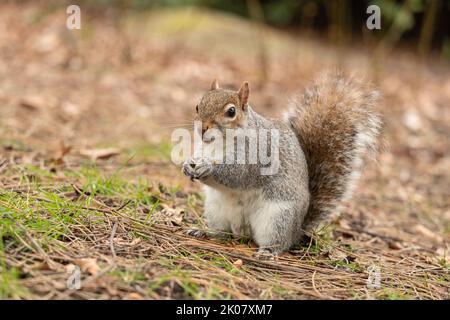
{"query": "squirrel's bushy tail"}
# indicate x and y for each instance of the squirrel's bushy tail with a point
(337, 126)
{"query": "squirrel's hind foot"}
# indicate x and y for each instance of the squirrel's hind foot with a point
(266, 254)
(196, 233)
(207, 233)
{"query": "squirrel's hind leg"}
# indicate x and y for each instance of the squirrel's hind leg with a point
(272, 227)
(216, 214)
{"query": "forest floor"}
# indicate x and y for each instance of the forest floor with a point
(88, 188)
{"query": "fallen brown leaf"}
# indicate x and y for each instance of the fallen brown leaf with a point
(33, 103)
(336, 254)
(424, 231)
(238, 263)
(69, 267)
(395, 245)
(104, 154)
(175, 215)
(344, 224)
(126, 242)
(70, 109)
(88, 265)
(62, 151)
(133, 296)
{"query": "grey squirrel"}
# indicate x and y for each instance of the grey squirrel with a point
(323, 141)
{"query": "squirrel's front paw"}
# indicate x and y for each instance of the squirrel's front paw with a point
(189, 168)
(199, 168)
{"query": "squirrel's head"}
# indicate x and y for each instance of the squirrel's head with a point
(223, 109)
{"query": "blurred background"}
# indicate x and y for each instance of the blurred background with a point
(136, 68)
(112, 92)
(420, 24)
(142, 56)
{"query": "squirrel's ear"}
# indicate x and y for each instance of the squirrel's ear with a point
(214, 85)
(243, 94)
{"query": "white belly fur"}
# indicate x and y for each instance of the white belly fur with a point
(245, 213)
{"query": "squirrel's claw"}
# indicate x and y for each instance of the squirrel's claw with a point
(217, 234)
(196, 233)
(265, 254)
(203, 168)
(197, 168)
(188, 168)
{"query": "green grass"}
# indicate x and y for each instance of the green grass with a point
(129, 276)
(10, 286)
(352, 266)
(393, 294)
(52, 213)
(47, 213)
(444, 263)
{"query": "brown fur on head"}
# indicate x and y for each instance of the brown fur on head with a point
(223, 109)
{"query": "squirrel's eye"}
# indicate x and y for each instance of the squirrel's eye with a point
(231, 112)
(196, 108)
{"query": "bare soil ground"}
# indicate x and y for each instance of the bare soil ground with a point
(86, 179)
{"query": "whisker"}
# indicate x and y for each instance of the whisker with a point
(177, 126)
